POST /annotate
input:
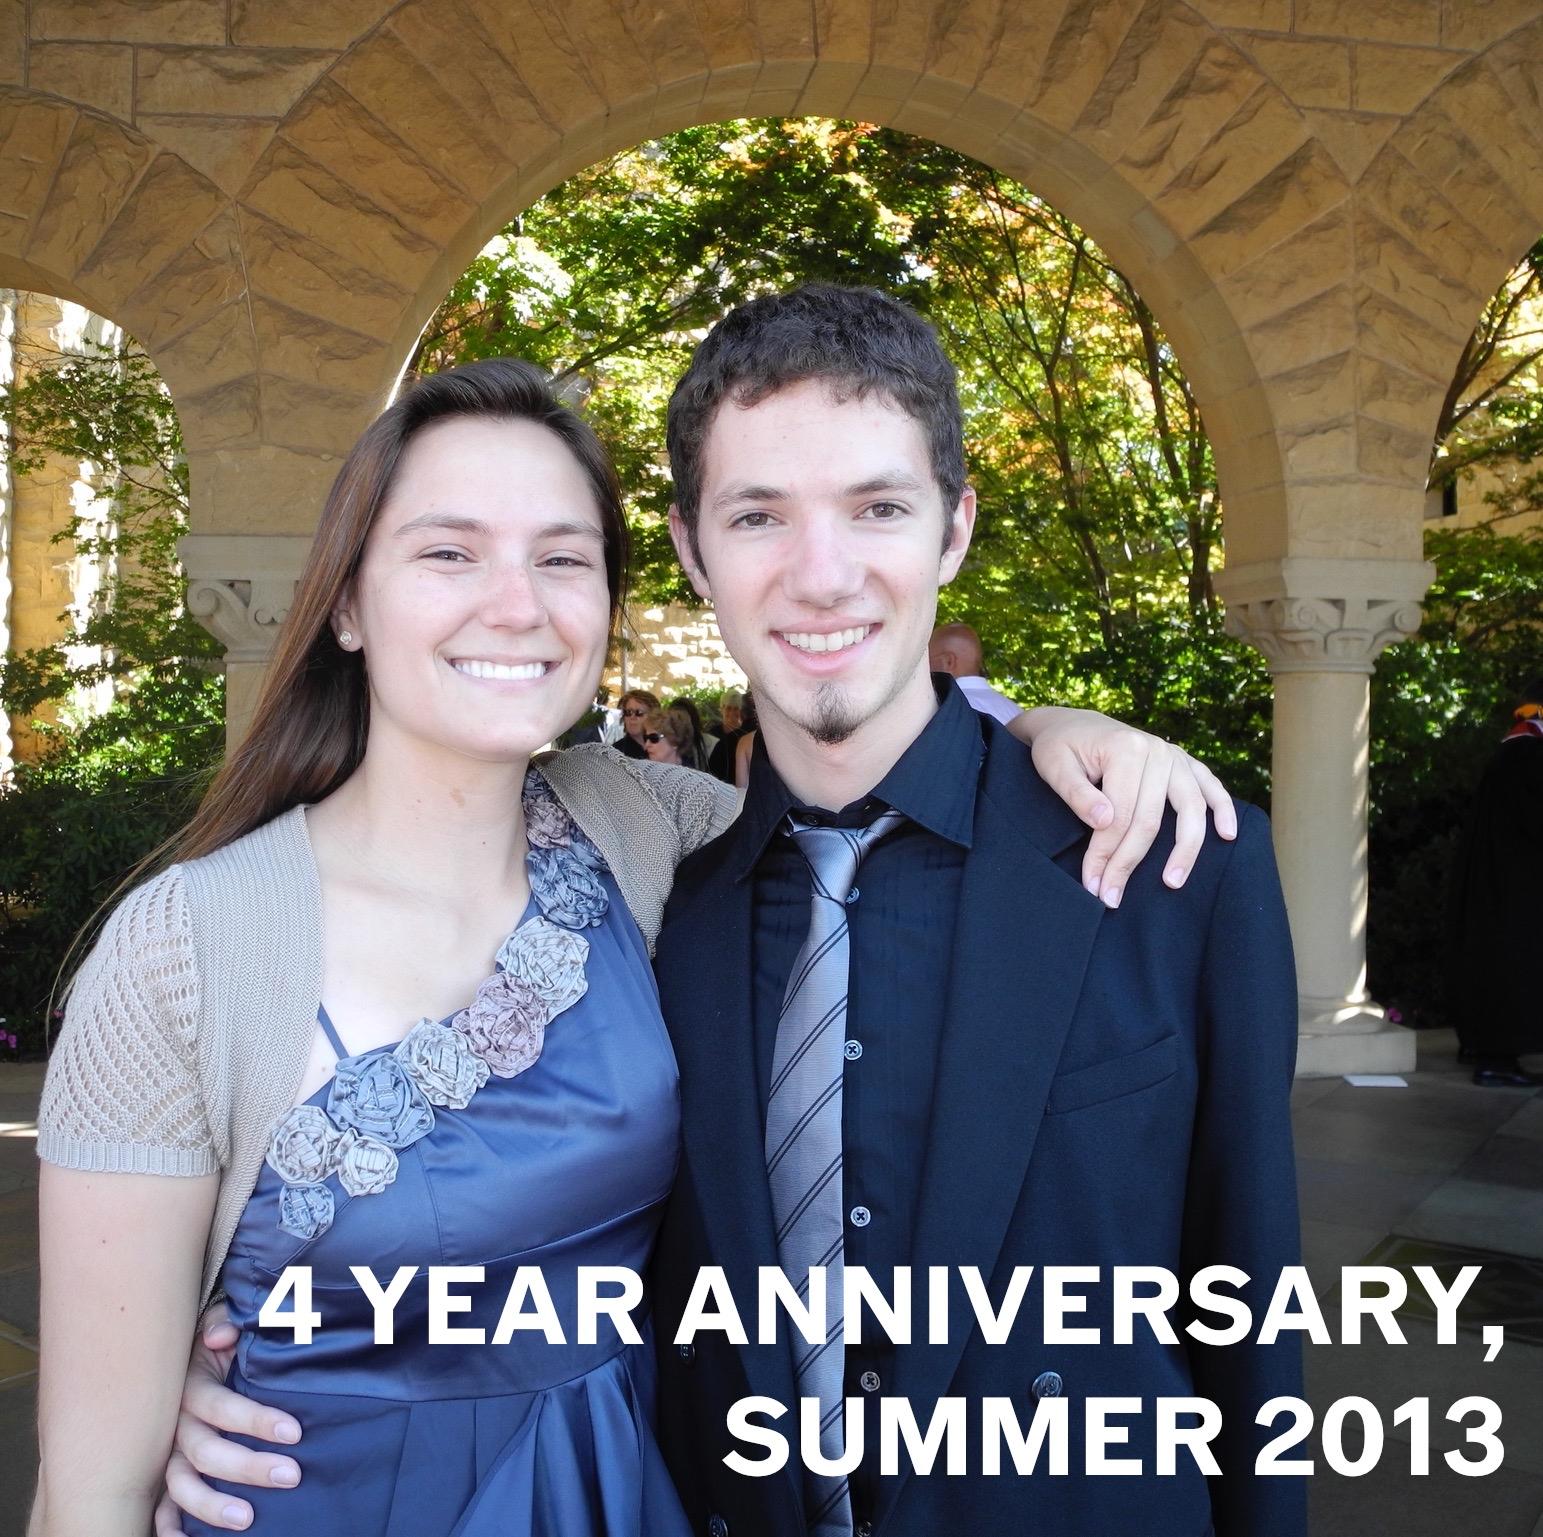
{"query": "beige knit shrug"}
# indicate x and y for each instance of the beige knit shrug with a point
(188, 1027)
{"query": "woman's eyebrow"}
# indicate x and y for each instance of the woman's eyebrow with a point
(456, 521)
(460, 523)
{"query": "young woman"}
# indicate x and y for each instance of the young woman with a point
(386, 1002)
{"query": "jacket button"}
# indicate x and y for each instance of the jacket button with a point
(863, 1529)
(869, 1382)
(717, 1527)
(1047, 1385)
(686, 1352)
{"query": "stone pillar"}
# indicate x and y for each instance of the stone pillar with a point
(240, 587)
(1321, 625)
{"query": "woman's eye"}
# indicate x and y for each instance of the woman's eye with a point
(574, 561)
(450, 557)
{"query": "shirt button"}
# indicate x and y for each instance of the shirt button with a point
(1047, 1385)
(853, 1050)
(861, 1216)
(851, 896)
(869, 1382)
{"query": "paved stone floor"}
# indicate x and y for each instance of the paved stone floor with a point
(1438, 1173)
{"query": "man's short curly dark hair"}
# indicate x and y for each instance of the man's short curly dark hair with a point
(857, 340)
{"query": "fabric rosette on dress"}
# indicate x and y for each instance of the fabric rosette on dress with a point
(381, 1103)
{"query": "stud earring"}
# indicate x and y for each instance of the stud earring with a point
(345, 638)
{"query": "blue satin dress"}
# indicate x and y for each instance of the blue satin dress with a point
(562, 1166)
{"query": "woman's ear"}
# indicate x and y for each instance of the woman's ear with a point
(344, 628)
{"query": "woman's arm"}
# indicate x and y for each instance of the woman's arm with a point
(121, 1259)
(1079, 751)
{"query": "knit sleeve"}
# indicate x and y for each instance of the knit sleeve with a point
(122, 1093)
(700, 806)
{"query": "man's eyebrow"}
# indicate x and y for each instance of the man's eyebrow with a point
(748, 493)
(888, 480)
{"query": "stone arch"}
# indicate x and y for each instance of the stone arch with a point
(1458, 194)
(1140, 120)
(99, 213)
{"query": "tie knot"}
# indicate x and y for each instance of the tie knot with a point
(834, 853)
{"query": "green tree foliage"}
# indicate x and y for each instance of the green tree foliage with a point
(1100, 521)
(1492, 416)
(111, 783)
(1440, 706)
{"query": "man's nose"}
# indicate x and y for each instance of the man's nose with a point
(823, 568)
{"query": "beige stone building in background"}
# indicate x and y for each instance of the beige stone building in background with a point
(1316, 197)
(44, 581)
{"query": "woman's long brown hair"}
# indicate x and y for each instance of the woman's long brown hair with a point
(312, 717)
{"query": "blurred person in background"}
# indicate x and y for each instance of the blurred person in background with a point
(1493, 990)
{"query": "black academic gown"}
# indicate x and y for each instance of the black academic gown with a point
(1494, 995)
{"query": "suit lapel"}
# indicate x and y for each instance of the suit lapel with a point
(1023, 934)
(720, 1105)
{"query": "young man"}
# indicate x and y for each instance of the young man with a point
(1017, 1078)
(953, 1055)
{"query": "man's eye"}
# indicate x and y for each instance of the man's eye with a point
(752, 520)
(885, 512)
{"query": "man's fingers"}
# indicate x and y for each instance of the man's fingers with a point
(168, 1519)
(215, 1457)
(201, 1502)
(1146, 819)
(220, 1334)
(1065, 773)
(208, 1403)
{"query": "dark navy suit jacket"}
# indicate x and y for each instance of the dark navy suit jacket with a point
(1112, 1090)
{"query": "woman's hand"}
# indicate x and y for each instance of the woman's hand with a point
(1119, 780)
(208, 1407)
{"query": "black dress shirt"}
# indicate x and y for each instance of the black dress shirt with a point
(901, 923)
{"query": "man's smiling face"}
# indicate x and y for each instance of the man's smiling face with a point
(823, 542)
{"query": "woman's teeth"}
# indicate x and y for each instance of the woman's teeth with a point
(839, 640)
(500, 671)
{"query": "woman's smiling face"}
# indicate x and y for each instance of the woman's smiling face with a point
(481, 603)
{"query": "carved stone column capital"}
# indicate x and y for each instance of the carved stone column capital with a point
(1324, 615)
(241, 586)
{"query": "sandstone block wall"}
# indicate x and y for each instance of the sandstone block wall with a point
(673, 650)
(44, 585)
(1315, 196)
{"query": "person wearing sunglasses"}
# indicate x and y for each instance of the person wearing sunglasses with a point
(634, 710)
(667, 736)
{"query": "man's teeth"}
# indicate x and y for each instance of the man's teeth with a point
(498, 670)
(838, 641)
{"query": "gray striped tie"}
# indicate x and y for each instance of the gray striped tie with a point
(803, 1134)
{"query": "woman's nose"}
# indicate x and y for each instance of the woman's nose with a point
(513, 600)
